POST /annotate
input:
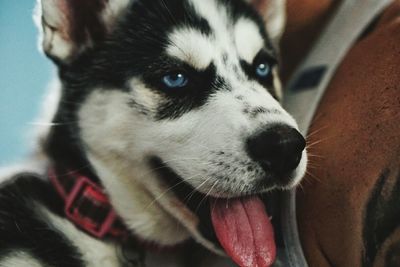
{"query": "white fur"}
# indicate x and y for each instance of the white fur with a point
(94, 252)
(136, 205)
(191, 46)
(144, 96)
(248, 39)
(20, 259)
(114, 160)
(216, 15)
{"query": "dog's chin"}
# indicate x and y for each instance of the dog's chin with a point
(199, 202)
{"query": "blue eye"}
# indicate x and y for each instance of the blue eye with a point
(175, 80)
(263, 70)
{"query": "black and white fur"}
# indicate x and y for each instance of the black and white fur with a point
(118, 124)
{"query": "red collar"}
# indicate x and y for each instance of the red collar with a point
(87, 206)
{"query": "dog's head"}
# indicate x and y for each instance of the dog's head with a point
(162, 93)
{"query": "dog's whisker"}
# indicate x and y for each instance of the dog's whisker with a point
(301, 187)
(216, 183)
(310, 145)
(313, 163)
(168, 190)
(318, 116)
(169, 13)
(190, 195)
(311, 134)
(206, 195)
(312, 167)
(313, 176)
(166, 167)
(315, 156)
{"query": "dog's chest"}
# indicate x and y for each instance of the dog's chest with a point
(98, 253)
(178, 258)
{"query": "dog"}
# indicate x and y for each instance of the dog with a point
(166, 134)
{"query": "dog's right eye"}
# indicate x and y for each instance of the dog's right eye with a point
(263, 70)
(175, 80)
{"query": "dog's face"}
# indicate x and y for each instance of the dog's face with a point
(185, 85)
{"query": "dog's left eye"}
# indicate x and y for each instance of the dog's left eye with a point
(175, 80)
(263, 69)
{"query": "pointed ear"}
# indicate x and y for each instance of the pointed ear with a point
(69, 27)
(274, 14)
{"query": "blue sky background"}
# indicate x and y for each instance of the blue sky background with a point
(24, 75)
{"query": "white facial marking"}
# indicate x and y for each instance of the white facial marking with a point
(248, 39)
(191, 46)
(142, 96)
(20, 259)
(216, 15)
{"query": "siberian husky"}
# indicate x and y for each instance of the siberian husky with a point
(167, 134)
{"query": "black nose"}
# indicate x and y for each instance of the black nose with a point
(277, 149)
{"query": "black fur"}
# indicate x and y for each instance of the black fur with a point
(22, 228)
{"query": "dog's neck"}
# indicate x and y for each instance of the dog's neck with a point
(135, 204)
(146, 204)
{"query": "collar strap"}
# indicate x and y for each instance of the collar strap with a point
(87, 206)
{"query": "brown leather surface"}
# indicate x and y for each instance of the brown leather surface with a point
(354, 147)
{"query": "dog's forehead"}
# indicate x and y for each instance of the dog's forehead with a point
(153, 33)
(229, 33)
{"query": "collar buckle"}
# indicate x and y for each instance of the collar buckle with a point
(86, 198)
(87, 206)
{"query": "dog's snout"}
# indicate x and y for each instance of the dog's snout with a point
(278, 149)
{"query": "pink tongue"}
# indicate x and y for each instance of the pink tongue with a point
(244, 230)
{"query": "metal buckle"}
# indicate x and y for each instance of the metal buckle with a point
(84, 188)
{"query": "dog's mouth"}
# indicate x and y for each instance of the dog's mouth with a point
(241, 225)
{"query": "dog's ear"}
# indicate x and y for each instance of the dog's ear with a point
(274, 14)
(71, 26)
